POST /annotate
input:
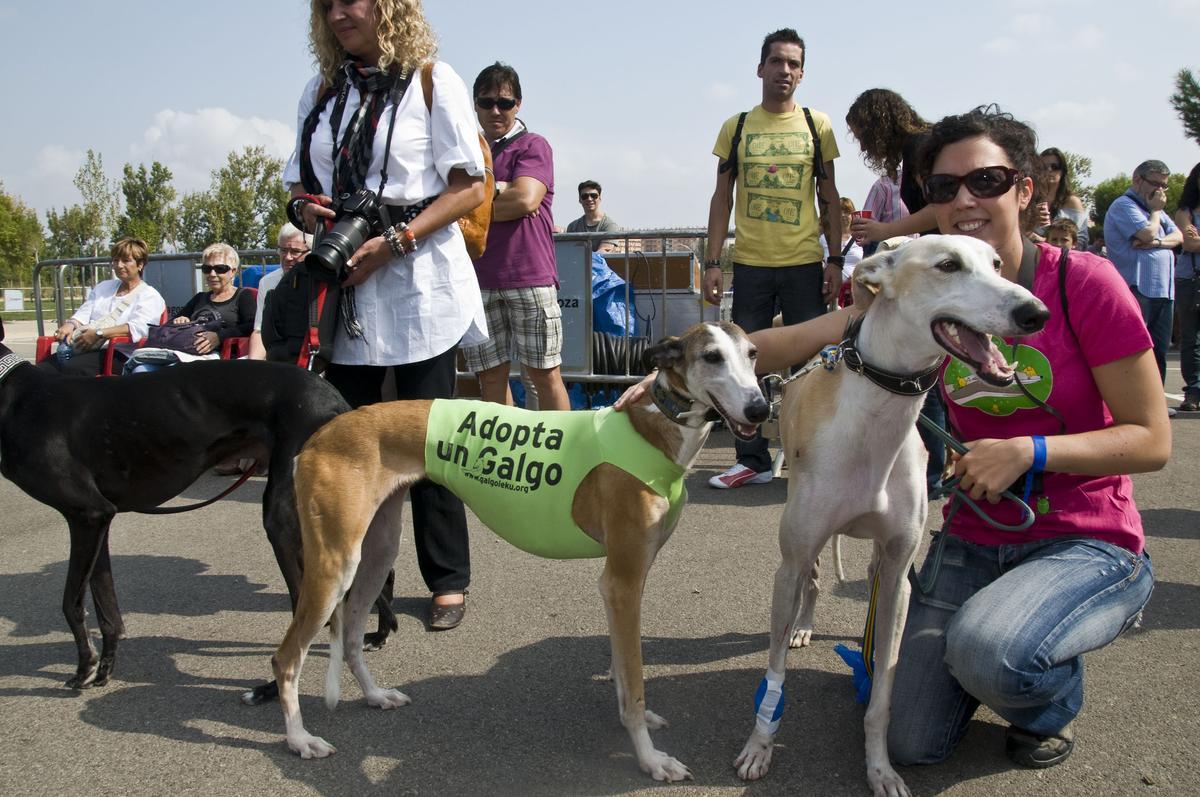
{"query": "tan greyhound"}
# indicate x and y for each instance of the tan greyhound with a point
(352, 475)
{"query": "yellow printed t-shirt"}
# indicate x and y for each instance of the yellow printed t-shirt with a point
(519, 470)
(775, 212)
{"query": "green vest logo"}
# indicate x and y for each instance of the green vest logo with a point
(968, 390)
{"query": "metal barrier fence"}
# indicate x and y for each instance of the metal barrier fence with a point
(661, 268)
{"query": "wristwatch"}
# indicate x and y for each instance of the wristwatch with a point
(839, 259)
(1158, 241)
(712, 263)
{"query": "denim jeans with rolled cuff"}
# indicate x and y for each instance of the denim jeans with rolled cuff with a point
(1007, 626)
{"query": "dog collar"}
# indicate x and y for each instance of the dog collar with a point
(9, 362)
(901, 384)
(675, 404)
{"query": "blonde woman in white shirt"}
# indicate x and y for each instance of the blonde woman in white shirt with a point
(415, 297)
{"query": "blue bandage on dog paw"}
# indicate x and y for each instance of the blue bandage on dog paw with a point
(768, 704)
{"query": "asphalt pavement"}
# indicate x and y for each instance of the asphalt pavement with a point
(514, 701)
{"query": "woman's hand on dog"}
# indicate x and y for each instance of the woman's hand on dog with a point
(635, 391)
(990, 466)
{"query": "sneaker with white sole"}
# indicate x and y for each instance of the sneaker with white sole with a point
(739, 476)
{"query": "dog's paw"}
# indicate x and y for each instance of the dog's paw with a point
(84, 677)
(654, 721)
(308, 746)
(801, 637)
(261, 694)
(374, 641)
(661, 766)
(885, 782)
(388, 698)
(755, 758)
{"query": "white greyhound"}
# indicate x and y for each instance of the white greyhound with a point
(856, 463)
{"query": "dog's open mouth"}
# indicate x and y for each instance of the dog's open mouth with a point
(743, 431)
(974, 348)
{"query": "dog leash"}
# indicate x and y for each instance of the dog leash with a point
(174, 510)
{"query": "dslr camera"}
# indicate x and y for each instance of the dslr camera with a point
(357, 220)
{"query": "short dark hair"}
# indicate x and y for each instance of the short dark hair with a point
(497, 76)
(589, 184)
(785, 35)
(1150, 167)
(1067, 226)
(1017, 139)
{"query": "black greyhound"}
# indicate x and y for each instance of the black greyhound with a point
(93, 447)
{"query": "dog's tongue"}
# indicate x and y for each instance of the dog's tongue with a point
(976, 347)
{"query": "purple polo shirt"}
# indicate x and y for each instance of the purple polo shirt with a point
(520, 253)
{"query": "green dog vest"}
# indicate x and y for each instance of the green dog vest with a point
(519, 470)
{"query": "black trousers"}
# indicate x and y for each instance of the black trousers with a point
(87, 363)
(439, 519)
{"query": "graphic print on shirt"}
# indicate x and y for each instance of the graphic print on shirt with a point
(764, 174)
(967, 390)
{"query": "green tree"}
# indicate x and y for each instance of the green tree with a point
(72, 233)
(1080, 167)
(1186, 102)
(21, 240)
(244, 207)
(150, 212)
(101, 201)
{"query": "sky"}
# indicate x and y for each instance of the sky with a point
(628, 93)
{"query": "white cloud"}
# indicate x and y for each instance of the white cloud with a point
(721, 91)
(57, 163)
(192, 144)
(1001, 45)
(1071, 113)
(1033, 24)
(1088, 37)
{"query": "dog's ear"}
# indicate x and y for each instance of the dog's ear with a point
(667, 353)
(870, 277)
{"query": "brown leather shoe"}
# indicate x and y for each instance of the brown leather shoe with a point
(443, 617)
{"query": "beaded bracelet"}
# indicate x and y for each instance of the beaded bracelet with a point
(410, 240)
(393, 241)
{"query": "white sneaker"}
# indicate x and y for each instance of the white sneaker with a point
(739, 476)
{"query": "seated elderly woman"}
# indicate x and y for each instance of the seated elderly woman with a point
(122, 306)
(234, 307)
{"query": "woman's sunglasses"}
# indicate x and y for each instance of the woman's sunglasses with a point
(986, 183)
(219, 268)
(503, 103)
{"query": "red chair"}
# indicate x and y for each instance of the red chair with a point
(42, 347)
(236, 348)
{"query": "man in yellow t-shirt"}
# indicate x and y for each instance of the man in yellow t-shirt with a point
(777, 254)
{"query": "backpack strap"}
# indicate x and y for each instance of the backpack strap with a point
(1062, 289)
(818, 160)
(730, 164)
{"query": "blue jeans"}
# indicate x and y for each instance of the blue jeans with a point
(1006, 626)
(1187, 306)
(759, 292)
(935, 410)
(1158, 315)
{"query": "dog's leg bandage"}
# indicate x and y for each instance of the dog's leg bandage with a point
(768, 703)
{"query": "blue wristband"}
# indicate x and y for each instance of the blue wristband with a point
(1039, 464)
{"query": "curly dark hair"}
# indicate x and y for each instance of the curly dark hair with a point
(1065, 189)
(1190, 198)
(883, 121)
(1017, 139)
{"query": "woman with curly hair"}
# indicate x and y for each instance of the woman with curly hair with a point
(363, 125)
(1187, 295)
(1056, 197)
(889, 131)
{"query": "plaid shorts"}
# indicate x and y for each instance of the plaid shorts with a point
(528, 320)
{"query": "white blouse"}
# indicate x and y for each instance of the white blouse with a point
(139, 308)
(418, 306)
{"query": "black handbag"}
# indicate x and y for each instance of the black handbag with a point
(182, 337)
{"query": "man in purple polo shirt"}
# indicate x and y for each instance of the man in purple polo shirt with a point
(517, 273)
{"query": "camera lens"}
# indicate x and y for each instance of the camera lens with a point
(336, 246)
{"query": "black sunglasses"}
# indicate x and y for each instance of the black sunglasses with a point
(985, 183)
(589, 195)
(220, 268)
(503, 103)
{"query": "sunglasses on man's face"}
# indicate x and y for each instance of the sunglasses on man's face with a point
(219, 268)
(589, 195)
(503, 103)
(985, 183)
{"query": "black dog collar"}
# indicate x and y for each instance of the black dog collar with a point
(8, 362)
(675, 404)
(900, 384)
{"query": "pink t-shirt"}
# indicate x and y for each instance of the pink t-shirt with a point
(1056, 367)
